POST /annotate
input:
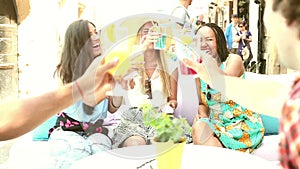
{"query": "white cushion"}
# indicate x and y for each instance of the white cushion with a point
(269, 148)
(26, 153)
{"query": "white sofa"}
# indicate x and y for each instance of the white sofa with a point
(26, 153)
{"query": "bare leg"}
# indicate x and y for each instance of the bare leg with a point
(213, 141)
(134, 141)
(203, 135)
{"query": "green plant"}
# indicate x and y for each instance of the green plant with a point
(167, 126)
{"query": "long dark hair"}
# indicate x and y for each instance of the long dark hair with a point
(220, 39)
(76, 55)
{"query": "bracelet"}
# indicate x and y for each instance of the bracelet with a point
(79, 89)
(112, 103)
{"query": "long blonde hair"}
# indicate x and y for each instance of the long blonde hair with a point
(162, 65)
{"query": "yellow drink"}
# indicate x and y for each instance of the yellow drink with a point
(122, 51)
(186, 39)
(122, 68)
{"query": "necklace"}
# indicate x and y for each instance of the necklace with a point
(150, 66)
(148, 74)
(149, 69)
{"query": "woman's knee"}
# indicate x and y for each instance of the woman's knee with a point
(66, 142)
(201, 132)
(134, 141)
(99, 142)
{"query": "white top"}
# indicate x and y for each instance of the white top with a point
(136, 96)
(182, 14)
(235, 30)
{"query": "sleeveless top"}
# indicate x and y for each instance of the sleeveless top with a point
(236, 127)
(75, 119)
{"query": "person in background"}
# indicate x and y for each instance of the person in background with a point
(221, 121)
(156, 84)
(230, 34)
(271, 97)
(244, 37)
(197, 13)
(79, 128)
(181, 12)
(91, 88)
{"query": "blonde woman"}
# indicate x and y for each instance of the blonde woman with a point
(156, 84)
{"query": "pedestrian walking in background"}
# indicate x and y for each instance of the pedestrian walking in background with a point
(230, 33)
(244, 37)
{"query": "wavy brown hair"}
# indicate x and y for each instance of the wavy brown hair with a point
(76, 54)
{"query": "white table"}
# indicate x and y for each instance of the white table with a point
(193, 157)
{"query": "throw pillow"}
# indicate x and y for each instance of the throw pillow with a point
(271, 124)
(41, 132)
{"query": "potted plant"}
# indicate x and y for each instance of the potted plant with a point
(169, 136)
(168, 127)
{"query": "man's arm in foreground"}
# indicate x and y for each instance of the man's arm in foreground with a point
(22, 116)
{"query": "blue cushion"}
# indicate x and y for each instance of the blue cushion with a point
(41, 132)
(271, 124)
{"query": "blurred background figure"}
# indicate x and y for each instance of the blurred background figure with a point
(198, 12)
(230, 33)
(182, 13)
(244, 37)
